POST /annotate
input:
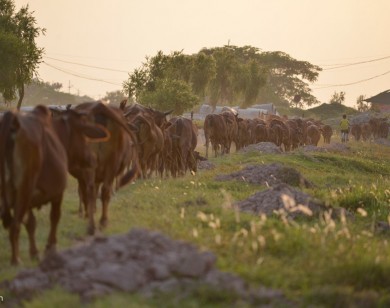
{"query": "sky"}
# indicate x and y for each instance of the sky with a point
(92, 45)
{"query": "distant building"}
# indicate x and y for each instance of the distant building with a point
(380, 102)
(247, 113)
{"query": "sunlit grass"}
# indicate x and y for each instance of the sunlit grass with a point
(341, 257)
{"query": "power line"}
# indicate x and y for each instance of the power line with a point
(355, 63)
(92, 66)
(78, 75)
(352, 83)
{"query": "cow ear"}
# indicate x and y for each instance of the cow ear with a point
(95, 133)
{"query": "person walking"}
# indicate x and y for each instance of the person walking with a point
(344, 127)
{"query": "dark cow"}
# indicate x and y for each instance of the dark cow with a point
(232, 128)
(261, 133)
(215, 131)
(184, 142)
(356, 131)
(366, 131)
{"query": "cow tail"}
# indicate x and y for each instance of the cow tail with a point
(129, 176)
(6, 149)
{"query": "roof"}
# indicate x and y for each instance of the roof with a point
(381, 98)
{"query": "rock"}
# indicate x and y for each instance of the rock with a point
(284, 198)
(270, 175)
(263, 147)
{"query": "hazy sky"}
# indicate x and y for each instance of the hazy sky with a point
(119, 34)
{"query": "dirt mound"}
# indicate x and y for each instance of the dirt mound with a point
(270, 175)
(337, 147)
(383, 141)
(205, 165)
(263, 147)
(312, 148)
(140, 261)
(279, 198)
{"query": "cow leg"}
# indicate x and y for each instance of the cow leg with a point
(14, 233)
(105, 195)
(207, 146)
(31, 227)
(55, 215)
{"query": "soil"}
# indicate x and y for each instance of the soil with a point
(269, 175)
(282, 199)
(263, 147)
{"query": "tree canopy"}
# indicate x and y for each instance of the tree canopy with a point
(19, 54)
(227, 75)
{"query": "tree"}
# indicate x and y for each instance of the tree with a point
(286, 78)
(228, 75)
(114, 97)
(19, 54)
(170, 94)
(362, 105)
(337, 98)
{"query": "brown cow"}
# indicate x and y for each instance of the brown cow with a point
(313, 134)
(327, 133)
(33, 172)
(215, 131)
(112, 159)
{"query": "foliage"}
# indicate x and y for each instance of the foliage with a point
(337, 97)
(287, 78)
(164, 83)
(362, 105)
(20, 56)
(170, 94)
(229, 75)
(114, 97)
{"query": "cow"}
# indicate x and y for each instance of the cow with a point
(383, 129)
(356, 131)
(215, 131)
(232, 128)
(327, 133)
(110, 160)
(313, 134)
(33, 171)
(366, 131)
(184, 142)
(261, 133)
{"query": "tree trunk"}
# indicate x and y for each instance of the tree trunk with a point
(21, 96)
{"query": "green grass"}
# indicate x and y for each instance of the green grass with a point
(319, 261)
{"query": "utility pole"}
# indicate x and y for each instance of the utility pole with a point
(69, 86)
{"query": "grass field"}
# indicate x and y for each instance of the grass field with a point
(318, 262)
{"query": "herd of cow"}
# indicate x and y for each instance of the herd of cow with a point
(223, 129)
(375, 127)
(105, 147)
(102, 146)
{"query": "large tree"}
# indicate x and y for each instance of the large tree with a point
(19, 53)
(164, 82)
(288, 78)
(227, 75)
